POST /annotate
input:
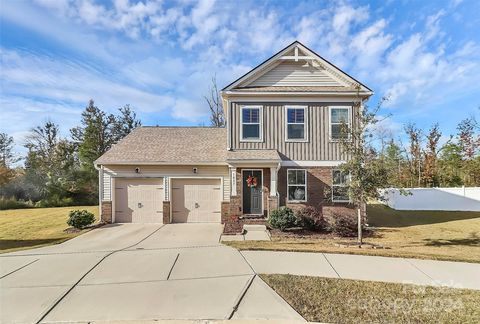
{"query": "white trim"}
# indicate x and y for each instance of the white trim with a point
(298, 93)
(350, 120)
(263, 206)
(233, 181)
(305, 124)
(306, 197)
(273, 181)
(260, 123)
(319, 100)
(113, 196)
(220, 163)
(100, 193)
(293, 163)
(333, 185)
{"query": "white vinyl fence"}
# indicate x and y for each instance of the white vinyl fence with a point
(464, 199)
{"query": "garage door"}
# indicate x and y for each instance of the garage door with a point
(196, 200)
(139, 200)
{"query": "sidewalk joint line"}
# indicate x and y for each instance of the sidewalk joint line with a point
(173, 265)
(331, 265)
(245, 259)
(162, 280)
(19, 268)
(413, 265)
(240, 298)
(45, 314)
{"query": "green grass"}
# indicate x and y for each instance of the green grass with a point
(30, 228)
(439, 235)
(352, 301)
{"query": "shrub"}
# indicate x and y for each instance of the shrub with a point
(11, 203)
(282, 218)
(310, 218)
(80, 218)
(344, 225)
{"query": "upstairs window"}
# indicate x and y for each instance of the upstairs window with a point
(296, 123)
(339, 116)
(251, 123)
(296, 185)
(340, 186)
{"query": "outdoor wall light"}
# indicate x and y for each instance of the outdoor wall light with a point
(137, 170)
(195, 170)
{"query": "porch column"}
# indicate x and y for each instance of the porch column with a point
(233, 181)
(273, 181)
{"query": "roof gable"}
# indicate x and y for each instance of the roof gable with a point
(296, 66)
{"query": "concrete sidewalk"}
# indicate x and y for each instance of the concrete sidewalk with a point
(372, 268)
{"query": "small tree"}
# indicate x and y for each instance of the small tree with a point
(367, 173)
(217, 117)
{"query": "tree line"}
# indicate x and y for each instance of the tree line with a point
(427, 161)
(59, 171)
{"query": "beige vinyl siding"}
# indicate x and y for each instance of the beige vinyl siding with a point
(172, 171)
(296, 74)
(319, 147)
(107, 187)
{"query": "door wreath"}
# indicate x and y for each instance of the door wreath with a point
(252, 181)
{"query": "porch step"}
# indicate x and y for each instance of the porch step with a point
(254, 228)
(252, 217)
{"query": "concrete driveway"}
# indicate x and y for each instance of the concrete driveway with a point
(136, 272)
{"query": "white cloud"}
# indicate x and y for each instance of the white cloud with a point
(190, 110)
(172, 51)
(345, 16)
(69, 81)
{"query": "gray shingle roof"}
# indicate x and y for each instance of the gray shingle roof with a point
(254, 155)
(169, 145)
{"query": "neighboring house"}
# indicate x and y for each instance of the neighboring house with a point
(280, 148)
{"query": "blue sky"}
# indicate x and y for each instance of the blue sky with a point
(159, 56)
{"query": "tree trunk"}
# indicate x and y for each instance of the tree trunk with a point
(359, 211)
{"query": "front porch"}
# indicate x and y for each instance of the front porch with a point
(253, 194)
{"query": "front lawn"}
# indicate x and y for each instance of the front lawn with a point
(30, 228)
(439, 235)
(330, 300)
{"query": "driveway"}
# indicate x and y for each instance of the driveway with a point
(136, 272)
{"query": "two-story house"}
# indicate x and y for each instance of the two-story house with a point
(280, 148)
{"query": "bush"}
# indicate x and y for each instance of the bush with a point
(282, 218)
(310, 218)
(80, 218)
(11, 203)
(344, 225)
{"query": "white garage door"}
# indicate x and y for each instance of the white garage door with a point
(196, 200)
(139, 200)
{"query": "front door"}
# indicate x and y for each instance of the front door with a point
(252, 192)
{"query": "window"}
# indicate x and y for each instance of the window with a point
(251, 123)
(297, 185)
(340, 186)
(296, 129)
(338, 117)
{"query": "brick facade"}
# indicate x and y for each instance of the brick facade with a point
(166, 212)
(106, 215)
(319, 182)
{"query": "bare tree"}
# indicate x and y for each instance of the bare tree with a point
(217, 117)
